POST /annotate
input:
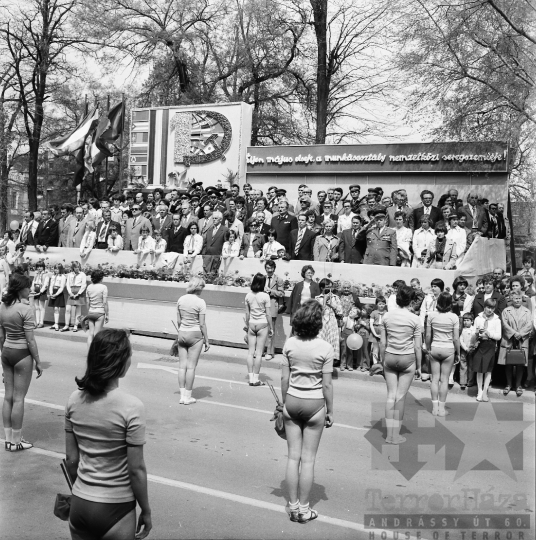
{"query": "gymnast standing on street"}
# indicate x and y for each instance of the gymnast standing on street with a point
(307, 393)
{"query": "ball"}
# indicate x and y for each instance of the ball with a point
(14, 225)
(354, 342)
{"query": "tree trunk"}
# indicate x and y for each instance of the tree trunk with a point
(33, 166)
(255, 117)
(4, 171)
(320, 13)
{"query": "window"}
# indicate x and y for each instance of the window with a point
(140, 116)
(13, 199)
(140, 137)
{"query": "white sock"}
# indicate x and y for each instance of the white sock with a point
(294, 506)
(17, 436)
(182, 392)
(251, 377)
(9, 434)
(435, 407)
(187, 394)
(304, 508)
(255, 377)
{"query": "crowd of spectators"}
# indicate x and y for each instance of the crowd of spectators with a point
(334, 227)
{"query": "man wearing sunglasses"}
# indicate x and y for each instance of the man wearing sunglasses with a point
(47, 233)
(133, 228)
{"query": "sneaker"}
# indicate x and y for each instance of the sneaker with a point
(350, 368)
(189, 401)
(7, 446)
(23, 445)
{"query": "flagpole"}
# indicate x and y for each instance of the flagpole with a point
(121, 140)
(106, 165)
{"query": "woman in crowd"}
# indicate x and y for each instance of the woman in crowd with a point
(274, 289)
(517, 322)
(488, 332)
(442, 250)
(124, 218)
(443, 342)
(404, 236)
(271, 248)
(312, 225)
(231, 246)
(444, 200)
(159, 246)
(303, 291)
(104, 438)
(76, 289)
(332, 311)
(460, 302)
(193, 243)
(5, 271)
(326, 246)
(400, 352)
(56, 297)
(234, 224)
(145, 243)
(259, 326)
(97, 300)
(38, 292)
(307, 393)
(422, 238)
(19, 353)
(429, 305)
(517, 284)
(88, 240)
(376, 319)
(115, 240)
(93, 208)
(191, 313)
(8, 242)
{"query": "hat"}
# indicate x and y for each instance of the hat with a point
(194, 198)
(281, 191)
(377, 210)
(355, 186)
(453, 216)
(196, 185)
(184, 196)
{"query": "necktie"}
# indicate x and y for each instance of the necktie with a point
(24, 232)
(298, 241)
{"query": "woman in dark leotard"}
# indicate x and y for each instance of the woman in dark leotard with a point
(308, 397)
(19, 352)
(104, 438)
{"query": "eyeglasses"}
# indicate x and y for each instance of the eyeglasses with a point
(135, 208)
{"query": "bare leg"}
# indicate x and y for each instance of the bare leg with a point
(68, 309)
(194, 352)
(405, 379)
(446, 368)
(20, 381)
(259, 347)
(183, 363)
(90, 333)
(293, 430)
(435, 367)
(252, 342)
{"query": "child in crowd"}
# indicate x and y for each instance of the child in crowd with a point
(348, 328)
(528, 269)
(363, 329)
(418, 298)
(376, 318)
(467, 346)
(479, 286)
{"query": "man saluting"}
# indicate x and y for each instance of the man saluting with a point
(381, 240)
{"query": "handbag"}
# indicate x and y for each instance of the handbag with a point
(515, 356)
(279, 425)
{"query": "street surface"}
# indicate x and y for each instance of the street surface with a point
(217, 467)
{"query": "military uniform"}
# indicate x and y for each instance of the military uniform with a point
(381, 248)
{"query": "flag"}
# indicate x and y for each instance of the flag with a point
(75, 140)
(80, 166)
(115, 126)
(99, 149)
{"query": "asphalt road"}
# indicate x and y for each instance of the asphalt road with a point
(217, 467)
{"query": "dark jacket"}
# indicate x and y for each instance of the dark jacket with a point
(283, 226)
(175, 240)
(258, 242)
(294, 304)
(498, 229)
(162, 225)
(414, 221)
(47, 234)
(305, 251)
(108, 232)
(214, 244)
(352, 251)
(481, 221)
(478, 303)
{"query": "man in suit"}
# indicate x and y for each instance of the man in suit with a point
(133, 228)
(79, 227)
(382, 247)
(175, 202)
(206, 222)
(140, 202)
(176, 236)
(260, 218)
(32, 231)
(301, 241)
(162, 221)
(66, 225)
(489, 292)
(427, 209)
(215, 236)
(496, 225)
(104, 229)
(352, 245)
(283, 223)
(186, 215)
(26, 227)
(476, 215)
(234, 192)
(252, 242)
(399, 205)
(47, 233)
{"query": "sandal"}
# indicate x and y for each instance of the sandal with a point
(519, 391)
(293, 514)
(506, 390)
(75, 329)
(313, 514)
(65, 329)
(258, 383)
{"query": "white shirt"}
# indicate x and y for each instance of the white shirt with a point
(271, 248)
(193, 245)
(403, 237)
(421, 240)
(231, 250)
(344, 222)
(145, 244)
(458, 236)
(116, 242)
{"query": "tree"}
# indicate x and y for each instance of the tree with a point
(470, 65)
(37, 35)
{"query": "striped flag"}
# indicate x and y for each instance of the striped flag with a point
(115, 126)
(75, 140)
(108, 131)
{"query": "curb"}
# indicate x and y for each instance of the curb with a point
(80, 337)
